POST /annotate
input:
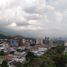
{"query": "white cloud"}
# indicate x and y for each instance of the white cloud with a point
(49, 7)
(45, 16)
(12, 25)
(59, 16)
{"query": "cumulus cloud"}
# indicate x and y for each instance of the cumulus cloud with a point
(33, 17)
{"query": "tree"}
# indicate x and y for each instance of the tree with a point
(4, 64)
(54, 57)
(2, 53)
(18, 64)
(56, 54)
(60, 49)
(59, 60)
(29, 56)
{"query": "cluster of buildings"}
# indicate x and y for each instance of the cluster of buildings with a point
(15, 48)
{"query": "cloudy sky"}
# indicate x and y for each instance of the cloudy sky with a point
(35, 18)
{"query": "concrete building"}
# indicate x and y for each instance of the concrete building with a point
(13, 43)
(65, 47)
(39, 41)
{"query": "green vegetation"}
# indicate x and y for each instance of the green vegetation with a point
(2, 36)
(54, 57)
(4, 64)
(2, 53)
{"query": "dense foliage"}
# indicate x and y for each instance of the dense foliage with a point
(54, 57)
(2, 36)
(4, 64)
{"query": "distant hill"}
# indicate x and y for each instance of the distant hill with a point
(2, 36)
(5, 35)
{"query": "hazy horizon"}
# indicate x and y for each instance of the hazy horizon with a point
(34, 18)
